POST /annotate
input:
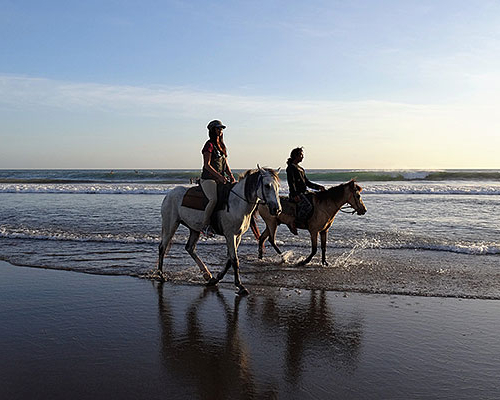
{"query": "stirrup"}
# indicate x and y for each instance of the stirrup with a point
(208, 231)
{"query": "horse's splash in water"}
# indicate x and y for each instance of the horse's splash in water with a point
(326, 206)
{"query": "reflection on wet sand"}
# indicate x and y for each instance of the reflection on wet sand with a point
(257, 347)
(313, 329)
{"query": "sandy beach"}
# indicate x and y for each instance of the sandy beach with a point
(73, 335)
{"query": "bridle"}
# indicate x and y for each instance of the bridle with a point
(346, 207)
(260, 182)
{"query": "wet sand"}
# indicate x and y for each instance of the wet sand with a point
(71, 335)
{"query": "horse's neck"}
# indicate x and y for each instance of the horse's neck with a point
(238, 202)
(334, 205)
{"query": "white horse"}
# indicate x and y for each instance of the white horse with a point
(254, 186)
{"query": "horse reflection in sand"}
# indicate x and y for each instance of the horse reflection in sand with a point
(326, 206)
(253, 347)
(254, 186)
(218, 368)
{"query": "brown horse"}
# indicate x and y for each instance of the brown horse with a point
(326, 206)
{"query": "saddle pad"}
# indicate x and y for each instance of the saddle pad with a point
(195, 198)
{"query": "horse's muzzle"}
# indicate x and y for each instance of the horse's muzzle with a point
(361, 211)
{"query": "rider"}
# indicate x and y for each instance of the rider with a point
(215, 170)
(297, 185)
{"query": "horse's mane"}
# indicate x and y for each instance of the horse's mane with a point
(252, 180)
(335, 192)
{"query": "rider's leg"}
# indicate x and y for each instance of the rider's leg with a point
(304, 208)
(209, 187)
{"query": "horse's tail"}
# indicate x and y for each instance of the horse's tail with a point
(253, 225)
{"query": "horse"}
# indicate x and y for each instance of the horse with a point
(326, 206)
(255, 186)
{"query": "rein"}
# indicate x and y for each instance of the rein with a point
(261, 201)
(347, 207)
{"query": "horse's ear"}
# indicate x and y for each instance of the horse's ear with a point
(278, 170)
(259, 168)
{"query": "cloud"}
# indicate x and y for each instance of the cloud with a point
(362, 117)
(363, 133)
(29, 92)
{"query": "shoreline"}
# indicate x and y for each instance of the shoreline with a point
(422, 276)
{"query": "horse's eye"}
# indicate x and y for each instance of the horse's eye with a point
(268, 186)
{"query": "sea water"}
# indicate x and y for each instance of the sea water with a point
(425, 232)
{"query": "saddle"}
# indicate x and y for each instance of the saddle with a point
(195, 198)
(291, 208)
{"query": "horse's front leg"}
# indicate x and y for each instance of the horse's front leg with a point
(262, 241)
(323, 235)
(269, 232)
(221, 274)
(191, 249)
(242, 290)
(272, 235)
(232, 259)
(314, 248)
(232, 249)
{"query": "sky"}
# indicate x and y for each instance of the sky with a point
(359, 84)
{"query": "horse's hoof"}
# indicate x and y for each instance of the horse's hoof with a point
(212, 282)
(207, 276)
(325, 263)
(243, 291)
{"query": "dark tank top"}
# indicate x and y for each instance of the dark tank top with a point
(217, 160)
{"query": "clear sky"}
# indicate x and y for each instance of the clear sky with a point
(360, 84)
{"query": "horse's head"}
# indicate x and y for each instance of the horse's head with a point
(268, 189)
(352, 191)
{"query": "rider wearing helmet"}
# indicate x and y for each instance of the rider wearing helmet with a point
(215, 170)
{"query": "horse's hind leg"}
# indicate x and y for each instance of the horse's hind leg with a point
(167, 233)
(191, 249)
(323, 235)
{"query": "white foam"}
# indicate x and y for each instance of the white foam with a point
(454, 188)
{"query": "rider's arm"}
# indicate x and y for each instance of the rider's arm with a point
(292, 185)
(206, 164)
(313, 185)
(229, 173)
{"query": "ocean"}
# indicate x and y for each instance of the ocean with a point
(428, 233)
